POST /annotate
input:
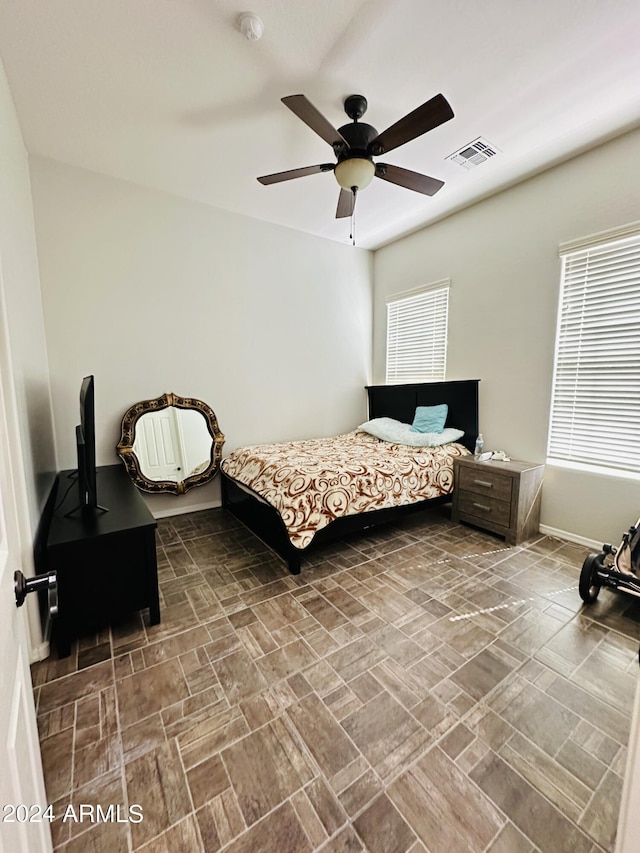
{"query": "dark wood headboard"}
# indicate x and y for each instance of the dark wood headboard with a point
(400, 401)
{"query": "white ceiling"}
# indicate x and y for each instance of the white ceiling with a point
(170, 94)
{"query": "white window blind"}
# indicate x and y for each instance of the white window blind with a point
(595, 409)
(417, 335)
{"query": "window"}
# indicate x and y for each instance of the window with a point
(417, 334)
(595, 407)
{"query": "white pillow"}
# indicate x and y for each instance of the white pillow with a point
(398, 432)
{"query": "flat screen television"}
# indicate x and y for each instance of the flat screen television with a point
(86, 446)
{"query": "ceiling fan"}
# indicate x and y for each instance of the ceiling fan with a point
(355, 145)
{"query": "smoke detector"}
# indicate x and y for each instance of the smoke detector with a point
(251, 26)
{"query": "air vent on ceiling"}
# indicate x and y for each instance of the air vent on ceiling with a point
(474, 153)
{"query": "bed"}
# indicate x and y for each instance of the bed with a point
(292, 537)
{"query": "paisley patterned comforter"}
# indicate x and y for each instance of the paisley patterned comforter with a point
(313, 482)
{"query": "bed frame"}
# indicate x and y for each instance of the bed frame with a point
(388, 401)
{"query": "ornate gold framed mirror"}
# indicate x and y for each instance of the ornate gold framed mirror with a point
(170, 444)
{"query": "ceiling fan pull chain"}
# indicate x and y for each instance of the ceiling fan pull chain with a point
(354, 190)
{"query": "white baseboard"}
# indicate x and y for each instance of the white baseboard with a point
(570, 537)
(39, 652)
(165, 513)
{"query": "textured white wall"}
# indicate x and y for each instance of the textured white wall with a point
(502, 258)
(26, 389)
(23, 305)
(151, 293)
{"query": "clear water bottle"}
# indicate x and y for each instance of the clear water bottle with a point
(479, 446)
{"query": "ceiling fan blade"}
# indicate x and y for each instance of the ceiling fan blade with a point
(312, 117)
(435, 112)
(296, 173)
(346, 204)
(408, 179)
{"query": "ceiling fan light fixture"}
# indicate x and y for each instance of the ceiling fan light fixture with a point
(355, 172)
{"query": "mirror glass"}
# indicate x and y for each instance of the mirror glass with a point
(170, 444)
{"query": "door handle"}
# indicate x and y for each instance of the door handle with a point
(23, 586)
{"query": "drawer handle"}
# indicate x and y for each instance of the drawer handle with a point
(482, 506)
(484, 483)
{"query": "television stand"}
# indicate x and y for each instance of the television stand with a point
(85, 511)
(84, 508)
(105, 561)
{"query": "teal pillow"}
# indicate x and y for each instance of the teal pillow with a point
(430, 418)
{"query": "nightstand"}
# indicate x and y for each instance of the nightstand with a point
(503, 497)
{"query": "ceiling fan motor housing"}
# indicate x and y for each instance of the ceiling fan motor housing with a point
(358, 135)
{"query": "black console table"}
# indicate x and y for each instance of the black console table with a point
(105, 561)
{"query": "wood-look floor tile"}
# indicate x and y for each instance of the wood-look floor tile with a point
(208, 829)
(548, 777)
(322, 735)
(390, 606)
(581, 763)
(182, 836)
(326, 805)
(150, 690)
(300, 697)
(265, 768)
(605, 718)
(72, 687)
(347, 604)
(397, 645)
(142, 737)
(211, 735)
(173, 646)
(570, 647)
(346, 841)
(239, 677)
(435, 788)
(207, 780)
(324, 612)
(96, 760)
(281, 830)
(386, 734)
(286, 661)
(88, 727)
(96, 654)
(260, 709)
(542, 719)
(531, 631)
(104, 791)
(58, 720)
(383, 829)
(342, 702)
(57, 762)
(436, 717)
(456, 741)
(156, 781)
(511, 840)
(345, 777)
(100, 838)
(361, 792)
(355, 658)
(606, 683)
(482, 673)
(220, 821)
(308, 818)
(600, 820)
(534, 816)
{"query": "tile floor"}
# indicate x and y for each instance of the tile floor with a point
(422, 688)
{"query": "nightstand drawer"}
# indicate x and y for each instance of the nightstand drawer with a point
(484, 481)
(484, 508)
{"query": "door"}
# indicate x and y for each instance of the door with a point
(158, 445)
(23, 820)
